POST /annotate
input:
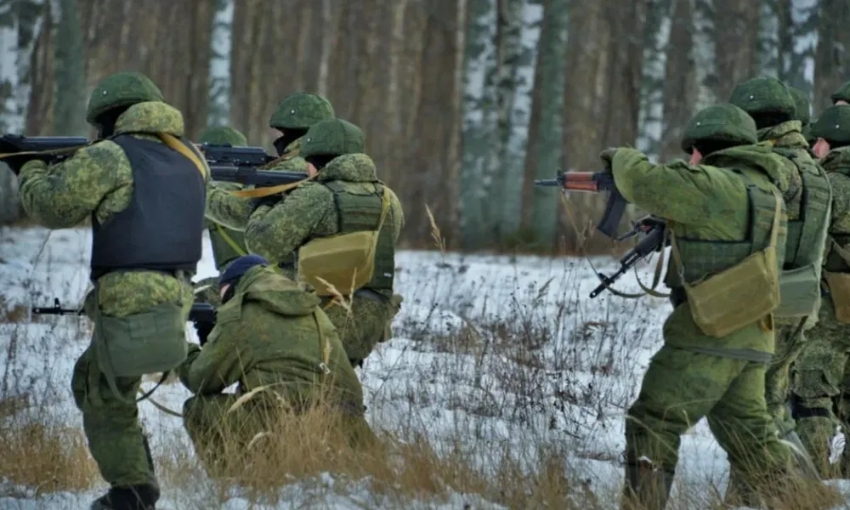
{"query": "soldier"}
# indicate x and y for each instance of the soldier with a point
(806, 192)
(227, 244)
(292, 117)
(345, 202)
(841, 95)
(802, 111)
(817, 382)
(723, 209)
(142, 185)
(271, 333)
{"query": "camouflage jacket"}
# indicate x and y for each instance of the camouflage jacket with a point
(232, 211)
(98, 179)
(837, 166)
(271, 333)
(788, 135)
(706, 203)
(309, 210)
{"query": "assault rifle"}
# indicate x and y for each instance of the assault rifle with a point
(594, 182)
(242, 165)
(18, 149)
(202, 315)
(654, 240)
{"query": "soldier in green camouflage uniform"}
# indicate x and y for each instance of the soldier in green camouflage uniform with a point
(145, 198)
(269, 332)
(695, 375)
(292, 117)
(819, 372)
(227, 244)
(806, 192)
(346, 196)
(802, 111)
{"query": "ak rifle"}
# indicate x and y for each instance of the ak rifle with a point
(18, 149)
(594, 182)
(243, 165)
(654, 240)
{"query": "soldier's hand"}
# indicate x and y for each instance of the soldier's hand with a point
(607, 156)
(270, 201)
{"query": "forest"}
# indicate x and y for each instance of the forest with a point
(464, 102)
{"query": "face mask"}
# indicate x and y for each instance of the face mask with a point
(229, 293)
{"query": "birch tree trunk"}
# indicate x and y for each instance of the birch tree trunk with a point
(220, 51)
(832, 62)
(736, 44)
(680, 84)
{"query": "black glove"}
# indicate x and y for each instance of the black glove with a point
(271, 201)
(203, 329)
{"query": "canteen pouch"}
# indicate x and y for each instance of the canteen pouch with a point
(839, 291)
(344, 262)
(740, 295)
(799, 292)
(144, 343)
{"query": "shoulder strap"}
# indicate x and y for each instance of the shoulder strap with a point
(181, 147)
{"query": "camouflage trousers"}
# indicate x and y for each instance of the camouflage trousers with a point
(681, 387)
(777, 384)
(819, 383)
(368, 323)
(115, 436)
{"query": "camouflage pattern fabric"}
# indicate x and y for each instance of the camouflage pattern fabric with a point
(223, 135)
(335, 137)
(266, 334)
(98, 179)
(763, 95)
(819, 373)
(721, 379)
(833, 125)
(723, 122)
(300, 111)
(842, 93)
(118, 90)
(309, 211)
(232, 211)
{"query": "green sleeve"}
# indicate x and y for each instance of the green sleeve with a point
(275, 232)
(690, 195)
(96, 179)
(220, 363)
(840, 183)
(225, 208)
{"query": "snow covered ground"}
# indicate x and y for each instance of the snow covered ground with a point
(499, 352)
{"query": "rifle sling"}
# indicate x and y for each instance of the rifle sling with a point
(268, 191)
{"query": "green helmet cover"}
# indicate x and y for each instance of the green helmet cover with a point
(763, 95)
(300, 111)
(802, 106)
(333, 137)
(842, 94)
(120, 89)
(722, 123)
(833, 125)
(223, 135)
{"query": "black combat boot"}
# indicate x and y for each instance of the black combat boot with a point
(136, 497)
(647, 487)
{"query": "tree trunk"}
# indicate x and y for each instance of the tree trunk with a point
(680, 84)
(220, 52)
(70, 108)
(736, 44)
(545, 158)
(832, 61)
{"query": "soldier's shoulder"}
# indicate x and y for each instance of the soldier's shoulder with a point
(313, 190)
(104, 154)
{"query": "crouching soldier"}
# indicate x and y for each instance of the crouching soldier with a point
(273, 339)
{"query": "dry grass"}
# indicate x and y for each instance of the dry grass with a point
(40, 454)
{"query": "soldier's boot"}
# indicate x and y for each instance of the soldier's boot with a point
(647, 487)
(740, 493)
(136, 497)
(803, 463)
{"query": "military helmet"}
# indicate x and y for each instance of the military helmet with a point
(720, 123)
(120, 89)
(300, 111)
(842, 94)
(763, 95)
(833, 125)
(333, 137)
(802, 107)
(223, 135)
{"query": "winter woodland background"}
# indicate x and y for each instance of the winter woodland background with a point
(464, 102)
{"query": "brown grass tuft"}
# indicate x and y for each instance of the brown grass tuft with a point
(41, 455)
